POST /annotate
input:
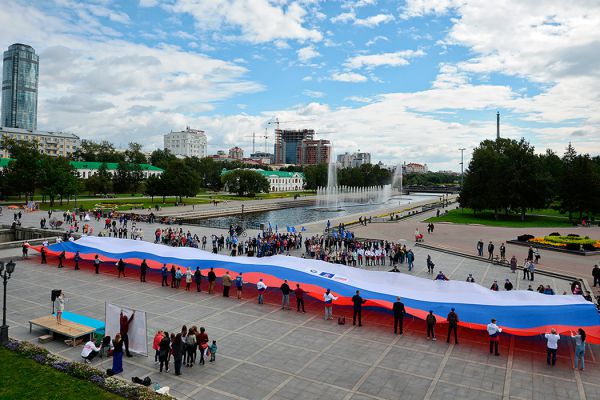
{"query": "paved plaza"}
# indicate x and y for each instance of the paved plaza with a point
(267, 353)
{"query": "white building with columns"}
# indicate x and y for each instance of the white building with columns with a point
(187, 143)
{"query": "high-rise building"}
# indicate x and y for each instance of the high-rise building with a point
(287, 142)
(313, 152)
(20, 87)
(236, 153)
(188, 143)
(353, 160)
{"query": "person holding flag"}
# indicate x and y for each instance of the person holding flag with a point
(328, 299)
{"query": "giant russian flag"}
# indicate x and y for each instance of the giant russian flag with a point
(518, 312)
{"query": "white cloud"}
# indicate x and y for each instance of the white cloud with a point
(351, 4)
(394, 59)
(344, 17)
(148, 3)
(348, 77)
(313, 93)
(281, 44)
(369, 22)
(307, 53)
(359, 99)
(114, 89)
(375, 20)
(419, 8)
(376, 39)
(258, 21)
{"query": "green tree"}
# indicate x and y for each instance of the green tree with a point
(100, 182)
(122, 178)
(315, 176)
(580, 184)
(102, 151)
(210, 173)
(161, 158)
(22, 174)
(484, 184)
(553, 166)
(527, 183)
(180, 180)
(134, 154)
(245, 182)
(154, 186)
(55, 174)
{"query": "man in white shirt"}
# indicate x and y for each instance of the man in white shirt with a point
(261, 287)
(494, 333)
(328, 299)
(90, 351)
(552, 346)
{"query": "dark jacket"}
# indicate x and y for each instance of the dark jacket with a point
(398, 309)
(164, 348)
(358, 301)
(430, 319)
(452, 318)
(212, 276)
(178, 348)
(124, 323)
(285, 289)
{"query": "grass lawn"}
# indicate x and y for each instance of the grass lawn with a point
(122, 204)
(535, 218)
(125, 202)
(25, 379)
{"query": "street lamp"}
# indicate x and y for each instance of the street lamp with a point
(5, 274)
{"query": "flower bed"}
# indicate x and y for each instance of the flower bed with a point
(569, 242)
(83, 371)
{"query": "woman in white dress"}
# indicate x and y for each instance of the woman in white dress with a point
(60, 307)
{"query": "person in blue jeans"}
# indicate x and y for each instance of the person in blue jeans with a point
(410, 257)
(579, 347)
(165, 273)
(552, 346)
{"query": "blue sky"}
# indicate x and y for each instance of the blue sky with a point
(406, 80)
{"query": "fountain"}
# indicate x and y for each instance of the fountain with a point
(332, 190)
(335, 198)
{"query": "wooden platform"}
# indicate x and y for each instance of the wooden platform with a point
(67, 328)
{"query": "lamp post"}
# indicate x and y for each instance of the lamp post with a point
(461, 173)
(5, 273)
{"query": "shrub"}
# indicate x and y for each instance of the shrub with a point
(554, 234)
(524, 238)
(573, 235)
(573, 246)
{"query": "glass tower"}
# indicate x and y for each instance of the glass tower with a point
(20, 87)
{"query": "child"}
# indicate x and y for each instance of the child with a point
(213, 350)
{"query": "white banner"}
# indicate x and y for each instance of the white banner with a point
(138, 340)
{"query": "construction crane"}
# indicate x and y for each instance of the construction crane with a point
(276, 122)
(253, 136)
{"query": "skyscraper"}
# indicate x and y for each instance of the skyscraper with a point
(287, 142)
(20, 87)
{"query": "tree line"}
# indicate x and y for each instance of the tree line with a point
(506, 175)
(54, 178)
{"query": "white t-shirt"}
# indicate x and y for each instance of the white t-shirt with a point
(88, 348)
(493, 329)
(552, 340)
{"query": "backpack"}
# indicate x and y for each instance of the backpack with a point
(341, 320)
